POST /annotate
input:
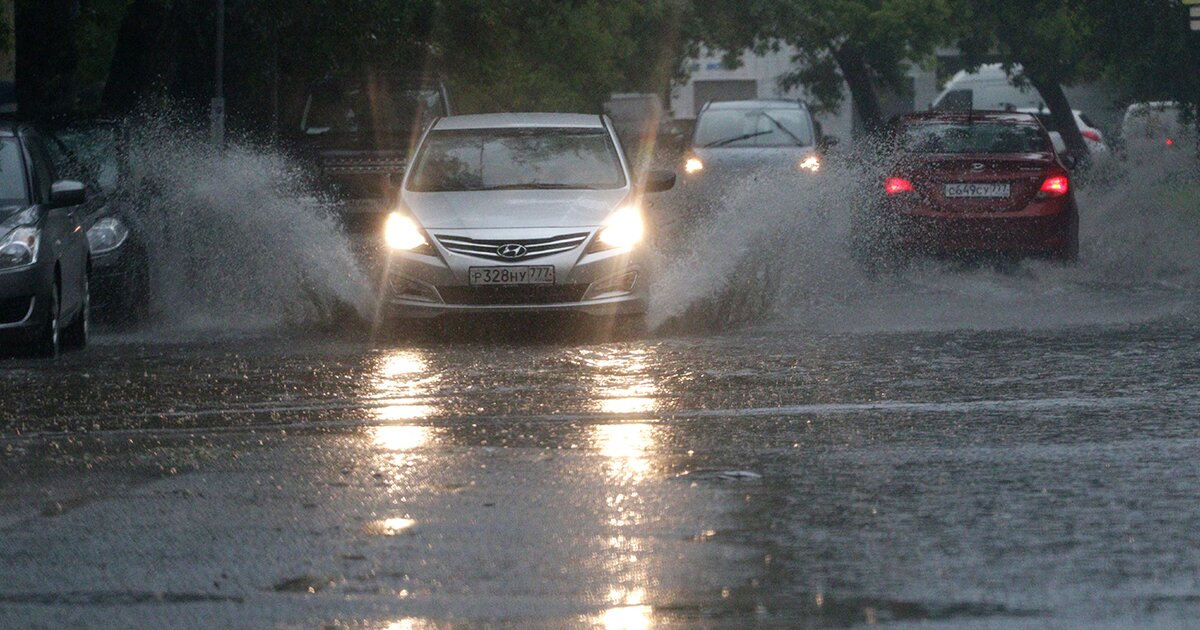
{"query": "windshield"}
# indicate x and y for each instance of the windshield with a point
(12, 174)
(87, 154)
(754, 128)
(334, 108)
(981, 137)
(492, 159)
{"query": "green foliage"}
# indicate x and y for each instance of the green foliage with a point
(881, 36)
(496, 54)
(550, 54)
(1149, 51)
(1051, 39)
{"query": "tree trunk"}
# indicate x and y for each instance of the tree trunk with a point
(862, 90)
(1064, 117)
(138, 64)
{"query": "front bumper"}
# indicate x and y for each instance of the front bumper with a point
(25, 297)
(602, 284)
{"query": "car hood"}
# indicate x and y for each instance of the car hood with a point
(10, 218)
(752, 157)
(513, 208)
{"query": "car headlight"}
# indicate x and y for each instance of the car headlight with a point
(811, 163)
(625, 228)
(19, 248)
(106, 235)
(401, 232)
(693, 165)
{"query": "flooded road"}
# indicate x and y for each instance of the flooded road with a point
(797, 445)
(774, 476)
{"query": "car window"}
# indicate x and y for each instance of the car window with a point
(87, 154)
(483, 159)
(973, 137)
(957, 99)
(13, 190)
(754, 128)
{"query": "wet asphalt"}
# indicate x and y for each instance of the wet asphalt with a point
(760, 477)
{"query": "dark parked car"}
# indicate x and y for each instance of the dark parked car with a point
(969, 183)
(357, 133)
(120, 281)
(43, 249)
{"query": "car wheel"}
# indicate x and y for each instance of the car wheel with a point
(1069, 253)
(47, 345)
(76, 335)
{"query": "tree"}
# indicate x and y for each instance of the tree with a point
(495, 54)
(1149, 52)
(47, 55)
(867, 44)
(1046, 43)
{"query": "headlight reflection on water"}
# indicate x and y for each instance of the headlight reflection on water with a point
(402, 383)
(622, 384)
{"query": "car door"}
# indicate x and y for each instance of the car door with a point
(64, 228)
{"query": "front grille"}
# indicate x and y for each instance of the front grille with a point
(13, 310)
(511, 296)
(535, 247)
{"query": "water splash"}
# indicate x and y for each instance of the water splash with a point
(773, 249)
(238, 239)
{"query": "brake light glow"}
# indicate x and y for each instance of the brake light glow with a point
(1055, 186)
(1091, 135)
(897, 185)
(1170, 142)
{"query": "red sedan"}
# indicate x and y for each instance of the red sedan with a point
(974, 183)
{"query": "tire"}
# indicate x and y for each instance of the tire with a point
(48, 344)
(1069, 253)
(75, 336)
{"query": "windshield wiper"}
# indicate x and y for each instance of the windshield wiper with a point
(539, 186)
(745, 136)
(778, 124)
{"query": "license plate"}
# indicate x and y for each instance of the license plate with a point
(499, 276)
(978, 190)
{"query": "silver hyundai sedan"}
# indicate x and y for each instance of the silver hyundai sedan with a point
(519, 213)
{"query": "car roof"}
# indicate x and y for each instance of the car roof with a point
(769, 103)
(957, 116)
(518, 121)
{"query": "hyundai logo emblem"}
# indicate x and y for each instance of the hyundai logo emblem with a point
(977, 167)
(511, 251)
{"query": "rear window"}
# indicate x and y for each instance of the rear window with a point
(973, 137)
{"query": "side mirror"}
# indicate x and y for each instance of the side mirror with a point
(659, 181)
(828, 142)
(67, 192)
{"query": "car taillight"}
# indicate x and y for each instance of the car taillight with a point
(1055, 186)
(1091, 135)
(897, 185)
(1170, 142)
